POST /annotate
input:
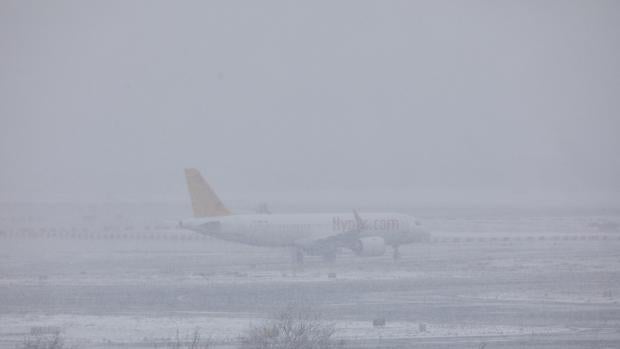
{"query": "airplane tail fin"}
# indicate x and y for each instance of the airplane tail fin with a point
(205, 202)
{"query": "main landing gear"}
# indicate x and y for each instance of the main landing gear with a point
(298, 256)
(396, 254)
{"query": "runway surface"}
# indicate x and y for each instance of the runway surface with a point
(497, 294)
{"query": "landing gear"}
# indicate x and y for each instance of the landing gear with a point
(298, 256)
(396, 254)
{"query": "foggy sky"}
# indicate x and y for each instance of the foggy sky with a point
(420, 101)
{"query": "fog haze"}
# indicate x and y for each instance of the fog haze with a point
(317, 174)
(419, 102)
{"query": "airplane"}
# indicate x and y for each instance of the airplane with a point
(315, 234)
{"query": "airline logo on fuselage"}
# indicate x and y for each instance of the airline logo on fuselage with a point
(339, 224)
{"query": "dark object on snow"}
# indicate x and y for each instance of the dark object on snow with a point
(379, 322)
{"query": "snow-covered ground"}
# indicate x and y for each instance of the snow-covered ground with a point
(85, 329)
(144, 291)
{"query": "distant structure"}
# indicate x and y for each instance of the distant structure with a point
(263, 208)
(606, 226)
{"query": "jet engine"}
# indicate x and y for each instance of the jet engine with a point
(369, 246)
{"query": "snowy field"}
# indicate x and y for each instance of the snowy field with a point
(138, 293)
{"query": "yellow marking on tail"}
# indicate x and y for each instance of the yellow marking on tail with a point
(205, 203)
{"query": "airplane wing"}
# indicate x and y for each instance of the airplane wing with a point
(334, 241)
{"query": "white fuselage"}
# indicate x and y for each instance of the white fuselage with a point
(306, 229)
